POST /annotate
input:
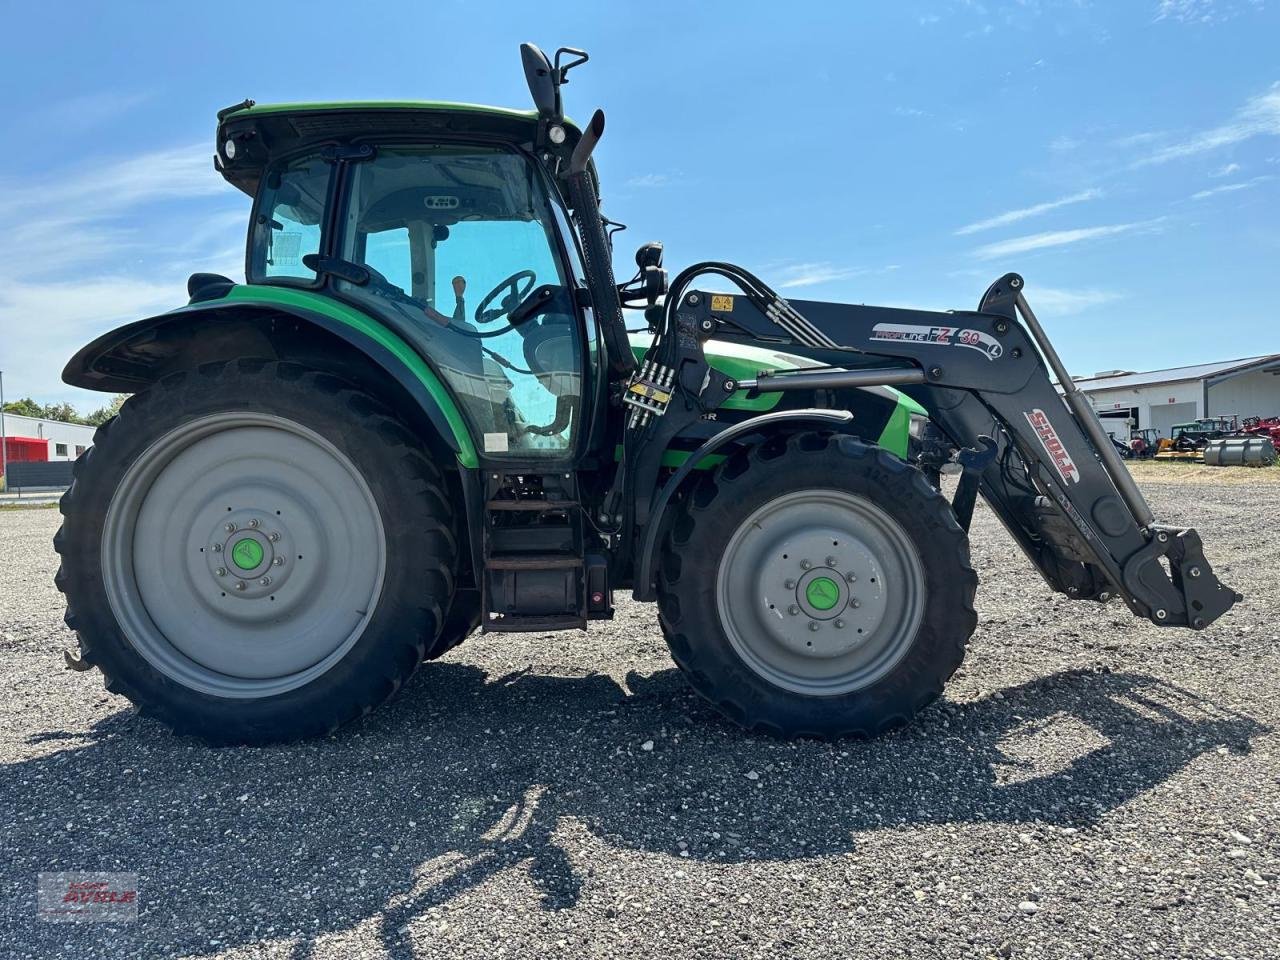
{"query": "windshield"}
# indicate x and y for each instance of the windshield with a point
(454, 239)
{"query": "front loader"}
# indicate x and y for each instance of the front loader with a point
(344, 466)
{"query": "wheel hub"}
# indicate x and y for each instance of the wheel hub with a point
(831, 590)
(249, 553)
(820, 591)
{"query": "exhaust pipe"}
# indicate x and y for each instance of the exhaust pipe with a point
(590, 137)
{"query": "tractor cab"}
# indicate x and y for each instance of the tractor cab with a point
(439, 221)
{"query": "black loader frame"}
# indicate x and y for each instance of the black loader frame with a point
(1045, 466)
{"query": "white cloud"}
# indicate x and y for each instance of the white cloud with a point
(1228, 188)
(45, 323)
(1013, 216)
(1201, 11)
(1056, 238)
(85, 250)
(64, 220)
(812, 274)
(650, 180)
(1225, 170)
(1053, 302)
(1259, 117)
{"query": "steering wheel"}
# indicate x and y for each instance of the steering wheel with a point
(517, 287)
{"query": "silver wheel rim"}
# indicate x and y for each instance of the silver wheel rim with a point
(820, 592)
(242, 555)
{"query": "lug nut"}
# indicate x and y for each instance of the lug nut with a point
(839, 624)
(831, 561)
(240, 584)
(265, 581)
(229, 527)
(805, 564)
(216, 548)
(813, 626)
(851, 577)
(273, 537)
(255, 523)
(789, 584)
(1193, 572)
(793, 610)
(854, 602)
(221, 571)
(278, 562)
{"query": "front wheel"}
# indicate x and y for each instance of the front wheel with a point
(817, 586)
(256, 551)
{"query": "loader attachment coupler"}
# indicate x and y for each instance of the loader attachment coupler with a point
(1040, 459)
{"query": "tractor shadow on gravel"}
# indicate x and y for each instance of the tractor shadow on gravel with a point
(466, 776)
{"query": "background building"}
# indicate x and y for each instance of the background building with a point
(1160, 398)
(63, 441)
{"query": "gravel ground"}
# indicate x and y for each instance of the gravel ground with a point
(1090, 786)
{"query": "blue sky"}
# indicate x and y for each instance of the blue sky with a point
(1123, 156)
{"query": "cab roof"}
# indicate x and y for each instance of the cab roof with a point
(264, 131)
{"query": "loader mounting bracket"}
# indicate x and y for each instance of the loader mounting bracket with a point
(1204, 598)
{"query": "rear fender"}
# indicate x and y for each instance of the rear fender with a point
(130, 358)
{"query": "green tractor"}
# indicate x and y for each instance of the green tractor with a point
(426, 411)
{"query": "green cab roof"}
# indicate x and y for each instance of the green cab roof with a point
(264, 131)
(433, 106)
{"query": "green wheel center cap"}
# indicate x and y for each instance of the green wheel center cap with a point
(247, 553)
(822, 593)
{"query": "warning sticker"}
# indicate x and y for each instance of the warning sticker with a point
(495, 443)
(285, 248)
(721, 303)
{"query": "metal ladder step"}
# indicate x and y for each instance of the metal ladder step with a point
(512, 623)
(531, 506)
(551, 561)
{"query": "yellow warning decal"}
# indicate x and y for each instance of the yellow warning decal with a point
(645, 390)
(721, 303)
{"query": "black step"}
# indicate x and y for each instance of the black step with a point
(513, 623)
(541, 506)
(533, 561)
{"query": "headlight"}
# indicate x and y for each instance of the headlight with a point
(229, 149)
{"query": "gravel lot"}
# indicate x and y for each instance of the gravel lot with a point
(1091, 786)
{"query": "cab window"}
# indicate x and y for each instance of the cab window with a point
(455, 239)
(290, 214)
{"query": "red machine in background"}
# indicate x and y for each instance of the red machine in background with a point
(1268, 427)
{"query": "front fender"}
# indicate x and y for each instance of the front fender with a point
(643, 588)
(133, 356)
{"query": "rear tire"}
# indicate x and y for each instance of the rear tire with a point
(817, 586)
(256, 551)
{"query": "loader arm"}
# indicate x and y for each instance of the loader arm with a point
(1041, 460)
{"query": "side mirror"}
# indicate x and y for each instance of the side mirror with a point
(543, 82)
(649, 255)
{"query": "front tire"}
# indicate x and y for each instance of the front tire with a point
(256, 551)
(817, 586)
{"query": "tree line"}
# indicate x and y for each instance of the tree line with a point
(65, 412)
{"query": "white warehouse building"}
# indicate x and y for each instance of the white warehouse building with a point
(1158, 399)
(66, 440)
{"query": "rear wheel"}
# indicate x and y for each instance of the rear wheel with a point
(256, 551)
(817, 586)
